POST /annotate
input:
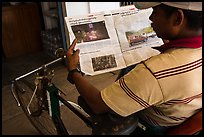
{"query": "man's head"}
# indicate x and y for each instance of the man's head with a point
(172, 20)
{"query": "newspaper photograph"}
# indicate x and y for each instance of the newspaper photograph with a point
(98, 43)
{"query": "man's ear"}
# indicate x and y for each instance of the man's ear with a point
(178, 17)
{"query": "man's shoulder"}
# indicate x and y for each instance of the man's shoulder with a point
(173, 58)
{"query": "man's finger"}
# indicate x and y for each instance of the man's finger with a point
(73, 44)
(70, 50)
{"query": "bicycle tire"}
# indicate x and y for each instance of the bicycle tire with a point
(43, 123)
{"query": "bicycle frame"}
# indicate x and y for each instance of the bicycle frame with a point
(102, 124)
(54, 98)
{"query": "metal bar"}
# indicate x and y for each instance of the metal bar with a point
(61, 21)
(31, 100)
(77, 112)
(35, 70)
(14, 95)
(62, 27)
(54, 109)
(61, 129)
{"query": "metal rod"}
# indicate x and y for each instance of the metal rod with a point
(78, 112)
(35, 70)
(31, 100)
(14, 95)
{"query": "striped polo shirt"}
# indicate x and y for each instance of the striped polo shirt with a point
(165, 89)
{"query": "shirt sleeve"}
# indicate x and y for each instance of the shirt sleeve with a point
(137, 90)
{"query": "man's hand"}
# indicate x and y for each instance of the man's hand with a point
(72, 56)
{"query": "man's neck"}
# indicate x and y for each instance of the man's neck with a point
(190, 33)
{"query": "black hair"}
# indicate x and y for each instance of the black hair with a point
(194, 18)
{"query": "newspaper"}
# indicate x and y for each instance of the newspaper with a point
(113, 40)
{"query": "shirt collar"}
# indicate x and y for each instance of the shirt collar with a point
(191, 42)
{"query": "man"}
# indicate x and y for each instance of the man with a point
(164, 90)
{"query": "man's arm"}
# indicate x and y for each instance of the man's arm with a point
(86, 90)
(90, 94)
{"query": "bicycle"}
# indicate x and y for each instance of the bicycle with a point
(41, 102)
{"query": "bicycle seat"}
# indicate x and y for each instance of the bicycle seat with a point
(110, 124)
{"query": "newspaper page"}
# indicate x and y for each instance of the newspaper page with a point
(98, 43)
(136, 36)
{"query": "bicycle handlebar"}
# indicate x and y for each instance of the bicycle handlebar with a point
(42, 67)
(31, 72)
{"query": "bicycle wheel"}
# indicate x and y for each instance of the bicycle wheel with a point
(38, 116)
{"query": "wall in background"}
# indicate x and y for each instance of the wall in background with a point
(83, 8)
